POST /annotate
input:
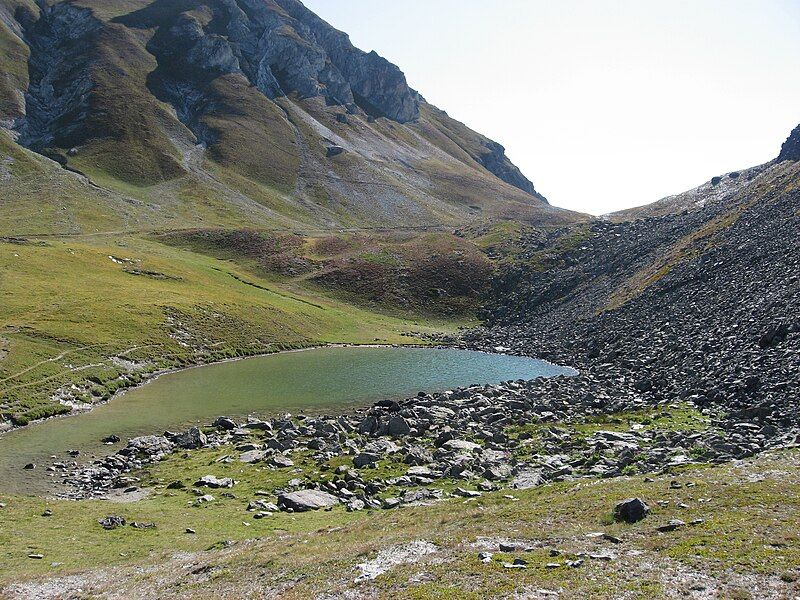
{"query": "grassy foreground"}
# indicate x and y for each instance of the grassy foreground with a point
(745, 547)
(85, 316)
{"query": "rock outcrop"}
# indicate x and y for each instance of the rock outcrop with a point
(58, 95)
(281, 47)
(496, 161)
(791, 147)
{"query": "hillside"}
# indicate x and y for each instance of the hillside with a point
(218, 113)
(694, 300)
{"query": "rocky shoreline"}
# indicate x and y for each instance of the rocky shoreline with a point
(458, 443)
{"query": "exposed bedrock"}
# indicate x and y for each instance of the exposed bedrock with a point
(279, 47)
(58, 97)
(496, 162)
(791, 147)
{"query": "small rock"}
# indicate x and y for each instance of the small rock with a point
(603, 557)
(215, 483)
(334, 151)
(355, 505)
(390, 503)
(112, 522)
(672, 525)
(575, 563)
(507, 547)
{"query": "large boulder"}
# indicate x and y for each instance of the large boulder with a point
(225, 423)
(365, 459)
(252, 456)
(461, 446)
(631, 510)
(305, 500)
(192, 439)
(791, 148)
(398, 426)
(369, 425)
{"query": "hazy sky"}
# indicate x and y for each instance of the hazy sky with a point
(603, 104)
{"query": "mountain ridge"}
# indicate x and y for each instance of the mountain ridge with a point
(248, 112)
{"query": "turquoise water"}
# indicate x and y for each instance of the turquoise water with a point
(320, 380)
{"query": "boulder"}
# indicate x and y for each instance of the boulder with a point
(369, 425)
(192, 439)
(281, 462)
(252, 456)
(460, 446)
(305, 500)
(365, 459)
(211, 481)
(112, 522)
(150, 445)
(631, 510)
(334, 151)
(398, 426)
(225, 423)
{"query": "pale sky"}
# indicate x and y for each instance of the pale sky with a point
(603, 104)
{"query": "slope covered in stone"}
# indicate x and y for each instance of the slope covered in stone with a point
(700, 304)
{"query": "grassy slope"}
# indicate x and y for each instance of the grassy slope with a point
(431, 273)
(745, 545)
(13, 67)
(69, 296)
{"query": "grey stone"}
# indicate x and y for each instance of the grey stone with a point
(305, 500)
(631, 510)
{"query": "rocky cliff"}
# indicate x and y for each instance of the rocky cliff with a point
(791, 148)
(259, 110)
